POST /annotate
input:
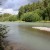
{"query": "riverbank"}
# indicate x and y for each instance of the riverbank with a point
(43, 28)
(28, 22)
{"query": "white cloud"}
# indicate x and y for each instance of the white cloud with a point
(8, 6)
(15, 4)
(10, 11)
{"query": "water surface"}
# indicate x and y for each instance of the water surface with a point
(23, 33)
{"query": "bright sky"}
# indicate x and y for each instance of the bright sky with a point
(12, 6)
(10, 11)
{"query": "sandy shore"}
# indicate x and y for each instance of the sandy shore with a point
(42, 28)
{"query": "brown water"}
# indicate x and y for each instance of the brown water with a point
(24, 34)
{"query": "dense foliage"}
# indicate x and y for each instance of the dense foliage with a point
(8, 17)
(42, 8)
(30, 17)
(3, 31)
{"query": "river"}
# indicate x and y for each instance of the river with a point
(23, 33)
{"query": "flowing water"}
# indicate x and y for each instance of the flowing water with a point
(23, 33)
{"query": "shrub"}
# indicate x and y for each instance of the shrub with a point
(30, 17)
(3, 31)
(12, 18)
(8, 17)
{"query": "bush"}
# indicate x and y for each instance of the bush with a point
(8, 17)
(30, 17)
(3, 31)
(13, 18)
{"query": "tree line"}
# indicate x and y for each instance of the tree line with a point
(36, 11)
(8, 17)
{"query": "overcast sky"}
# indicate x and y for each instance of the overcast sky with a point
(14, 4)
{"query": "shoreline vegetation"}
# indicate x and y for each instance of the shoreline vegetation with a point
(3, 32)
(27, 22)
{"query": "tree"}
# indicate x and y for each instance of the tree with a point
(6, 15)
(12, 18)
(30, 17)
(42, 8)
(48, 12)
(45, 3)
(21, 11)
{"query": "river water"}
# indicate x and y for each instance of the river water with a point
(23, 33)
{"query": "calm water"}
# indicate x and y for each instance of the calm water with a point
(24, 33)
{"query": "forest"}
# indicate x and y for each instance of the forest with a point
(36, 11)
(7, 17)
